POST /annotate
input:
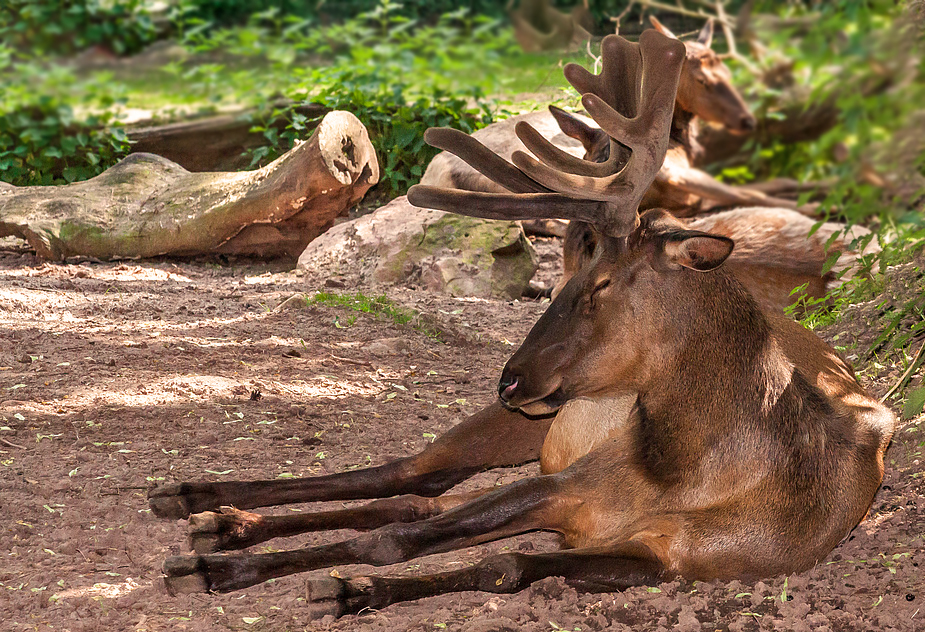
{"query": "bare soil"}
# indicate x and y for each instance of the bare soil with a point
(117, 376)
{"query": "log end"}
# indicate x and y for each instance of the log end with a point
(346, 149)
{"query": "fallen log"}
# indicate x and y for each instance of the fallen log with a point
(147, 206)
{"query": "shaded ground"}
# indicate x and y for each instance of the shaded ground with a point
(114, 377)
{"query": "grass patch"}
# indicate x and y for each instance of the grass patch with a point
(379, 307)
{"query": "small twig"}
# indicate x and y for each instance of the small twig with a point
(11, 444)
(731, 40)
(703, 15)
(621, 15)
(597, 60)
(350, 361)
(905, 376)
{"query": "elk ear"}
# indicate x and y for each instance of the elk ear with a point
(661, 28)
(706, 34)
(572, 126)
(696, 250)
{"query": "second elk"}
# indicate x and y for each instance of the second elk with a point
(681, 431)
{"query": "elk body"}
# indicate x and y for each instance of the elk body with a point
(681, 430)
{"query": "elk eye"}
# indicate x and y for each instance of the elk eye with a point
(603, 283)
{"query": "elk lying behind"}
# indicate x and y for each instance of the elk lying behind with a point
(777, 251)
(680, 429)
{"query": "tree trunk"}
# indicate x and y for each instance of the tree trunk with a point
(147, 205)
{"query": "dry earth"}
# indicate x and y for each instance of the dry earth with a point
(115, 377)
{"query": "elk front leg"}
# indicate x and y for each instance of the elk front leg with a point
(535, 503)
(590, 570)
(716, 193)
(230, 529)
(493, 437)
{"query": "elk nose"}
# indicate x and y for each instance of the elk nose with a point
(506, 386)
(747, 123)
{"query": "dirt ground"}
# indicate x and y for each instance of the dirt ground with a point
(117, 376)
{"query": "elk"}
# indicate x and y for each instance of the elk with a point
(681, 430)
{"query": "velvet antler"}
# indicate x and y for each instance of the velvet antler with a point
(632, 100)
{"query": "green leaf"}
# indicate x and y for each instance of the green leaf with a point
(915, 403)
(830, 261)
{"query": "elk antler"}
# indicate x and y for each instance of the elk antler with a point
(632, 100)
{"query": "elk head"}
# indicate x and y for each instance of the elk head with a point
(603, 334)
(593, 337)
(705, 89)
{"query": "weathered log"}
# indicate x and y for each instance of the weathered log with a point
(147, 205)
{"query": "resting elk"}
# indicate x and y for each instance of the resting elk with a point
(681, 431)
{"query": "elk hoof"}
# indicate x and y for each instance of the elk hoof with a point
(208, 573)
(336, 596)
(326, 596)
(185, 574)
(181, 499)
(225, 530)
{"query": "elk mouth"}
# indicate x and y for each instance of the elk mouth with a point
(512, 398)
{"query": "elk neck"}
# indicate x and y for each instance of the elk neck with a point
(720, 341)
(683, 133)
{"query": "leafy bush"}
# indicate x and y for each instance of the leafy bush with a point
(393, 78)
(44, 143)
(396, 123)
(232, 12)
(860, 57)
(64, 27)
(54, 129)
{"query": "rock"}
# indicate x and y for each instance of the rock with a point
(387, 346)
(444, 252)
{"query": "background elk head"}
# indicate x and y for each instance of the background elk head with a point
(705, 88)
(705, 91)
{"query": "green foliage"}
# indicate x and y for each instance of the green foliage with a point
(65, 27)
(900, 242)
(858, 57)
(44, 144)
(396, 124)
(392, 77)
(47, 136)
(230, 12)
(380, 307)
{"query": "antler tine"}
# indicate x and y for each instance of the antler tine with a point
(504, 205)
(643, 126)
(564, 161)
(482, 159)
(620, 78)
